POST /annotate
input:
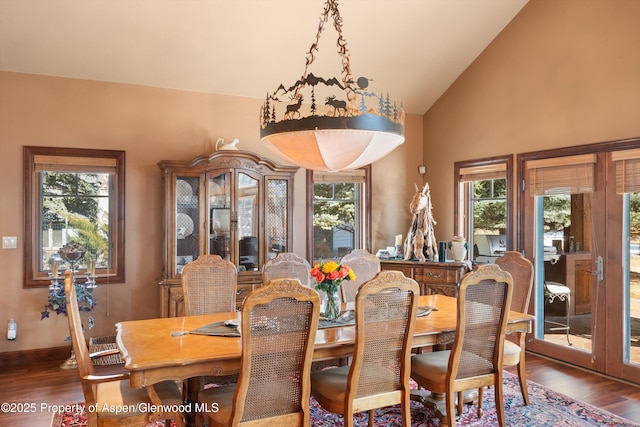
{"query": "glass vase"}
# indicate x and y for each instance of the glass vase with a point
(332, 303)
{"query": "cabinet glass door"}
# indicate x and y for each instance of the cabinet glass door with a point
(219, 215)
(277, 219)
(248, 222)
(187, 232)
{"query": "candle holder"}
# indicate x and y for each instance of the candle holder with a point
(55, 282)
(91, 281)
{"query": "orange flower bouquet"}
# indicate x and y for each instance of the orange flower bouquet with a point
(329, 276)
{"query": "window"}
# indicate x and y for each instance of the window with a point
(339, 214)
(73, 195)
(482, 205)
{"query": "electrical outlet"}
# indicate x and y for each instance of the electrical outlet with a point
(9, 242)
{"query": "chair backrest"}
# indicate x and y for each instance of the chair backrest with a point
(386, 309)
(80, 348)
(365, 266)
(521, 270)
(287, 265)
(484, 299)
(209, 285)
(279, 324)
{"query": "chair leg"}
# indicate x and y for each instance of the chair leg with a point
(499, 400)
(371, 417)
(451, 408)
(348, 419)
(480, 411)
(406, 409)
(522, 378)
(460, 402)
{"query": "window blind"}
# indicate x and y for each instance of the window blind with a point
(561, 175)
(479, 173)
(46, 163)
(356, 175)
(627, 170)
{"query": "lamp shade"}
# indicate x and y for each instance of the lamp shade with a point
(332, 149)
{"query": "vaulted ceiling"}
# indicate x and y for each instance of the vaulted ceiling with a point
(413, 49)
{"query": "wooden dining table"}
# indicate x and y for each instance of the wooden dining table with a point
(160, 349)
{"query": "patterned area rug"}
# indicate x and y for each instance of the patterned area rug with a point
(548, 409)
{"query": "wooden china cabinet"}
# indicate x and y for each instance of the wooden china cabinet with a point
(232, 203)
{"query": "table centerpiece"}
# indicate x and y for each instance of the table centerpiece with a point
(329, 276)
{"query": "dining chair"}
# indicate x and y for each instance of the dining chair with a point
(287, 265)
(378, 376)
(475, 359)
(209, 285)
(278, 332)
(365, 265)
(102, 392)
(521, 270)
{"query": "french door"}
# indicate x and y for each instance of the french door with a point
(580, 226)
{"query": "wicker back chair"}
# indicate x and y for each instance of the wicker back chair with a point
(287, 265)
(279, 324)
(475, 361)
(521, 270)
(378, 376)
(365, 265)
(209, 285)
(104, 391)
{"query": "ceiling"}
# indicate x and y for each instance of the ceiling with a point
(412, 49)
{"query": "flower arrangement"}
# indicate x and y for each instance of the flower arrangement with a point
(330, 274)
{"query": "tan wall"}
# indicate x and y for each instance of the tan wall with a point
(151, 125)
(563, 73)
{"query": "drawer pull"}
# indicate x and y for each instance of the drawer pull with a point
(240, 291)
(440, 275)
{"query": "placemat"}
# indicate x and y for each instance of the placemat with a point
(219, 329)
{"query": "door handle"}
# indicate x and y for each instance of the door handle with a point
(599, 273)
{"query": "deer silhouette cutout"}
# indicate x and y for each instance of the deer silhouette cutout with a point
(293, 109)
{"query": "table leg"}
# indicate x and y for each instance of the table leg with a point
(192, 388)
(436, 401)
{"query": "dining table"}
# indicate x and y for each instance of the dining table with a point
(160, 349)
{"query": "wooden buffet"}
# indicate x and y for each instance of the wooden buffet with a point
(434, 278)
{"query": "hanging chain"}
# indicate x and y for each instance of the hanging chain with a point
(331, 7)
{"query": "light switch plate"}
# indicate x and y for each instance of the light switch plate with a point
(9, 242)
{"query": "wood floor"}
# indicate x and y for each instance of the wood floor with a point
(44, 383)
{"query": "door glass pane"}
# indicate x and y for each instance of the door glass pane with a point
(632, 283)
(564, 238)
(219, 215)
(277, 211)
(489, 219)
(187, 220)
(248, 222)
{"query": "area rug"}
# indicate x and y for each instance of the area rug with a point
(547, 409)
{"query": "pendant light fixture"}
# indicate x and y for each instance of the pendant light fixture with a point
(330, 124)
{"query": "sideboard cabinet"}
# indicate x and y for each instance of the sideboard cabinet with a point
(231, 203)
(433, 277)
